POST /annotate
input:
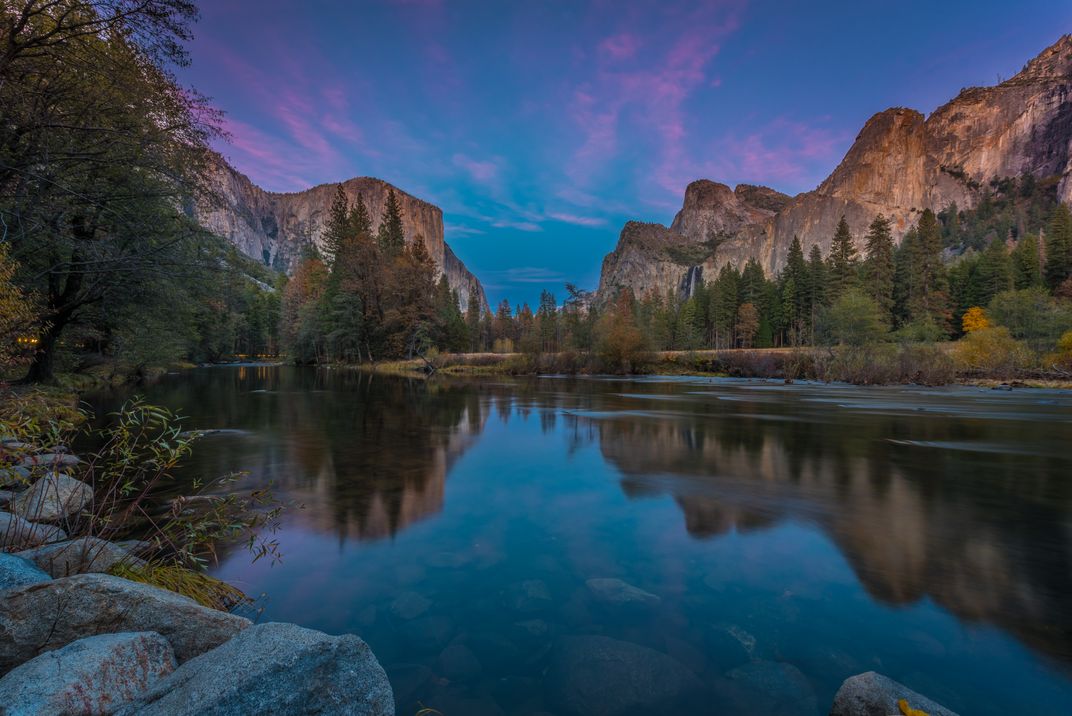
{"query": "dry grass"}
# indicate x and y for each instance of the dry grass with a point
(203, 589)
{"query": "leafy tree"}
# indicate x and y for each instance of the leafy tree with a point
(854, 319)
(99, 150)
(747, 324)
(975, 319)
(620, 342)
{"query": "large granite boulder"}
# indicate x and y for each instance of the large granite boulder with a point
(17, 572)
(599, 676)
(275, 669)
(76, 556)
(872, 694)
(40, 617)
(95, 675)
(52, 497)
(17, 533)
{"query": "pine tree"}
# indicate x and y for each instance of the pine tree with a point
(929, 302)
(879, 265)
(337, 227)
(1059, 247)
(817, 288)
(994, 271)
(1026, 263)
(843, 260)
(391, 235)
(472, 320)
(723, 306)
(359, 219)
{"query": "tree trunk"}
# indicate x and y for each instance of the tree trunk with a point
(43, 366)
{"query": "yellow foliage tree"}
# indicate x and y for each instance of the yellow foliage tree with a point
(975, 319)
(17, 315)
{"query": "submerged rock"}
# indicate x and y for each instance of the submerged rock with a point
(531, 595)
(872, 694)
(275, 669)
(17, 533)
(76, 556)
(48, 615)
(52, 497)
(410, 605)
(95, 675)
(599, 676)
(17, 572)
(458, 663)
(615, 592)
(776, 688)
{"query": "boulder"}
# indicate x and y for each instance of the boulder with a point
(52, 497)
(272, 669)
(776, 688)
(6, 496)
(50, 459)
(95, 675)
(17, 533)
(16, 572)
(616, 593)
(599, 676)
(14, 476)
(85, 554)
(40, 617)
(872, 694)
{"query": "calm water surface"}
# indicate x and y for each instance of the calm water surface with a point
(923, 533)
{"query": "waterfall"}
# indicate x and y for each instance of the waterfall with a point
(690, 281)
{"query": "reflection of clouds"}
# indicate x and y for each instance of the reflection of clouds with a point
(911, 525)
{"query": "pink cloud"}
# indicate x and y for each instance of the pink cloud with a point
(482, 172)
(620, 47)
(577, 220)
(651, 91)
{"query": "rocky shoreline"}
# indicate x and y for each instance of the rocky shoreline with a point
(77, 640)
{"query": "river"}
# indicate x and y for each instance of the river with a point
(782, 537)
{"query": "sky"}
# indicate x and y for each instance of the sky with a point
(540, 128)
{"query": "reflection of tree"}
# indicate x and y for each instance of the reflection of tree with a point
(962, 528)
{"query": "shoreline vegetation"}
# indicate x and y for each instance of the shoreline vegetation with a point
(926, 365)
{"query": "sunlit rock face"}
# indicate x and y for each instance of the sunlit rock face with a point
(900, 164)
(273, 227)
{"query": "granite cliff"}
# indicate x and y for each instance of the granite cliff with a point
(274, 227)
(900, 164)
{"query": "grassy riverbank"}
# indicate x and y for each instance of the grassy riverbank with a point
(924, 364)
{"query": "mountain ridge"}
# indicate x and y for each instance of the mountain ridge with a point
(900, 163)
(274, 227)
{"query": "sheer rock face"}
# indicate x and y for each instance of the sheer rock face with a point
(273, 227)
(900, 164)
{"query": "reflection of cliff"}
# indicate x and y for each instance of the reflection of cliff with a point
(365, 456)
(914, 522)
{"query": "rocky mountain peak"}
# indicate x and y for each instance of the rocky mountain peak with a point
(274, 227)
(900, 164)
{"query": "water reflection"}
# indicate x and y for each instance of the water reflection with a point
(462, 490)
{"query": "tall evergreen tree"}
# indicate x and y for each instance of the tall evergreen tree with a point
(817, 288)
(843, 260)
(994, 272)
(359, 219)
(1058, 247)
(391, 235)
(472, 321)
(337, 227)
(879, 266)
(929, 301)
(1027, 263)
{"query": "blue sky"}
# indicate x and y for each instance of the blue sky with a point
(541, 127)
